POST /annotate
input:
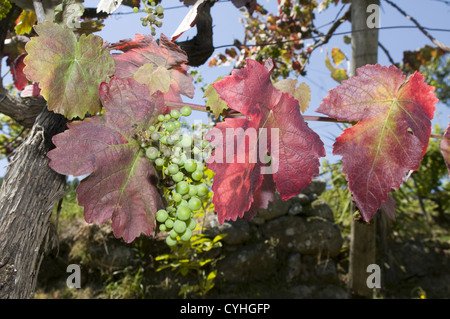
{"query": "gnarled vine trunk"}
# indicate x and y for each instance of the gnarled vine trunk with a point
(28, 194)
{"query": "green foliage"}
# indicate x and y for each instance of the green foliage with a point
(193, 258)
(12, 135)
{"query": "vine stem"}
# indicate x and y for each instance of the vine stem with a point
(202, 108)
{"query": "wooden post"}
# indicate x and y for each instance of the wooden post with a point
(363, 236)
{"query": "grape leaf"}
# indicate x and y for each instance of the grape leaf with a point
(273, 124)
(213, 101)
(445, 148)
(26, 21)
(391, 135)
(156, 80)
(144, 49)
(122, 182)
(19, 78)
(302, 92)
(69, 72)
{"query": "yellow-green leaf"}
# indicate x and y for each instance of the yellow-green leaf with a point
(302, 92)
(156, 80)
(214, 102)
(26, 21)
(337, 55)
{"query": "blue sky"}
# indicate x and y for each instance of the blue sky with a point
(430, 13)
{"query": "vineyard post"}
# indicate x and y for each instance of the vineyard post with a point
(363, 236)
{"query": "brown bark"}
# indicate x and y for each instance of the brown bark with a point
(28, 194)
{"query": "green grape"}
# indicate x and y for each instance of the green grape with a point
(173, 234)
(159, 162)
(183, 213)
(178, 177)
(151, 18)
(177, 197)
(153, 3)
(155, 136)
(195, 150)
(192, 190)
(200, 166)
(202, 190)
(170, 241)
(195, 203)
(170, 126)
(152, 153)
(184, 203)
(205, 144)
(159, 9)
(197, 175)
(179, 226)
(167, 117)
(186, 236)
(175, 114)
(161, 117)
(173, 169)
(162, 215)
(135, 9)
(190, 165)
(168, 223)
(163, 140)
(191, 224)
(186, 110)
(182, 188)
(152, 128)
(177, 124)
(186, 141)
(162, 227)
(159, 23)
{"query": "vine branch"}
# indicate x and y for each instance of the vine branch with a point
(429, 36)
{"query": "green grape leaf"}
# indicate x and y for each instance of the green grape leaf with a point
(122, 185)
(302, 92)
(213, 100)
(156, 80)
(69, 72)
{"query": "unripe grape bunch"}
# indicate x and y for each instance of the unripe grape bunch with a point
(179, 160)
(154, 15)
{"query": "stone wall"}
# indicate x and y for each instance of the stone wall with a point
(290, 250)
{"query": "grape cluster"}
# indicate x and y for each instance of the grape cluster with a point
(5, 6)
(179, 158)
(154, 12)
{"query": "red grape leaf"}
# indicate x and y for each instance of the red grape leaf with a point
(273, 124)
(391, 135)
(122, 182)
(19, 78)
(144, 49)
(445, 147)
(69, 72)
